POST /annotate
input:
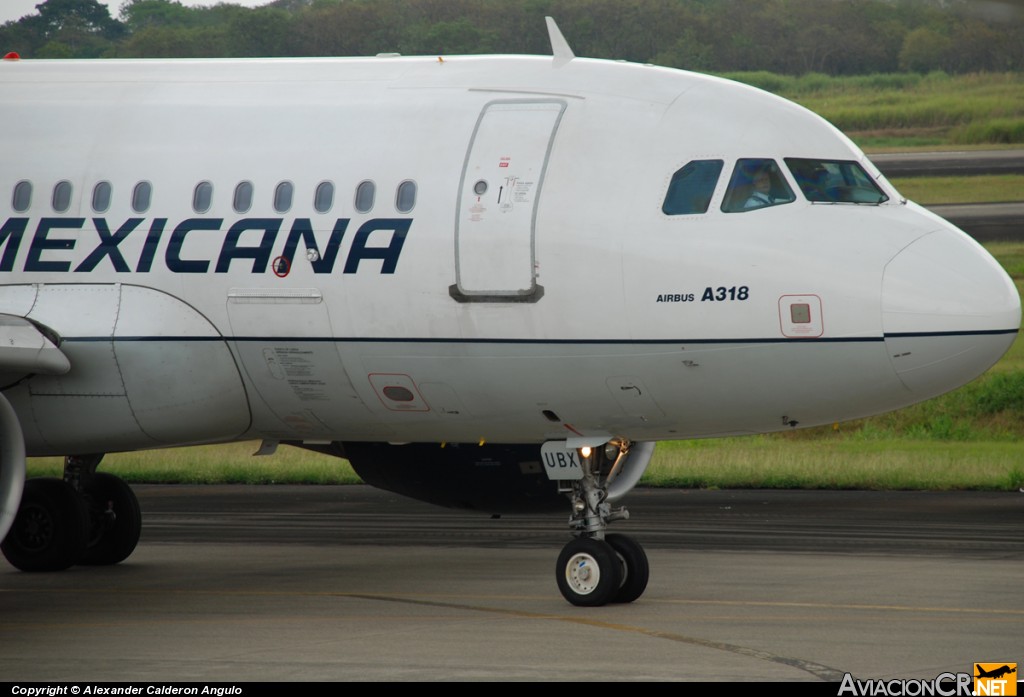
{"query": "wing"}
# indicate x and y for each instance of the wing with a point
(25, 350)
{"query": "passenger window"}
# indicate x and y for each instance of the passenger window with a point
(101, 197)
(691, 188)
(323, 199)
(22, 197)
(406, 197)
(283, 197)
(834, 181)
(142, 194)
(756, 183)
(62, 196)
(202, 197)
(365, 193)
(242, 200)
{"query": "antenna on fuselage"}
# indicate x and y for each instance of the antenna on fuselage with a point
(559, 46)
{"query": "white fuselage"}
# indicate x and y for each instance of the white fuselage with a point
(560, 300)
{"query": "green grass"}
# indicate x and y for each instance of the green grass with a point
(1011, 256)
(976, 189)
(231, 463)
(908, 109)
(838, 462)
(1009, 130)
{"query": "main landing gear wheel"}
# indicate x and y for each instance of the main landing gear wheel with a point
(115, 520)
(50, 531)
(636, 570)
(589, 572)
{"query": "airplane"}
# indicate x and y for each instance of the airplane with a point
(489, 282)
(995, 672)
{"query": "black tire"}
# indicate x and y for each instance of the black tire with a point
(114, 537)
(51, 528)
(637, 570)
(589, 572)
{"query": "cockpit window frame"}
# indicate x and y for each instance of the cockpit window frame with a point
(831, 182)
(743, 193)
(692, 187)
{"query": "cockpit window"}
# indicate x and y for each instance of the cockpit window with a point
(756, 183)
(691, 188)
(834, 181)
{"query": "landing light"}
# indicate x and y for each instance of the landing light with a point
(585, 451)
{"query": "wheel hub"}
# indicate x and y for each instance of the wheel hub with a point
(583, 573)
(34, 528)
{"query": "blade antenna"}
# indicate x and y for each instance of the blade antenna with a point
(559, 46)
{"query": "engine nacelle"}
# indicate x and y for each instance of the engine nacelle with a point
(12, 465)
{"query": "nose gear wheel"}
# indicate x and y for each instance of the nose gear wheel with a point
(589, 572)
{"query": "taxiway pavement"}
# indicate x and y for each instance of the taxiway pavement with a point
(244, 583)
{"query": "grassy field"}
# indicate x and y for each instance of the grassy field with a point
(855, 457)
(976, 189)
(213, 464)
(909, 109)
(842, 462)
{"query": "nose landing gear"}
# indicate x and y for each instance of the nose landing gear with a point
(596, 568)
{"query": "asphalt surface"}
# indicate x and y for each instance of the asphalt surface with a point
(950, 164)
(988, 222)
(235, 583)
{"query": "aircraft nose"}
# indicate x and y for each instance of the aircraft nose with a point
(949, 312)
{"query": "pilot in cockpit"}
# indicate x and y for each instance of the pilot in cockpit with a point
(761, 190)
(812, 179)
(756, 183)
